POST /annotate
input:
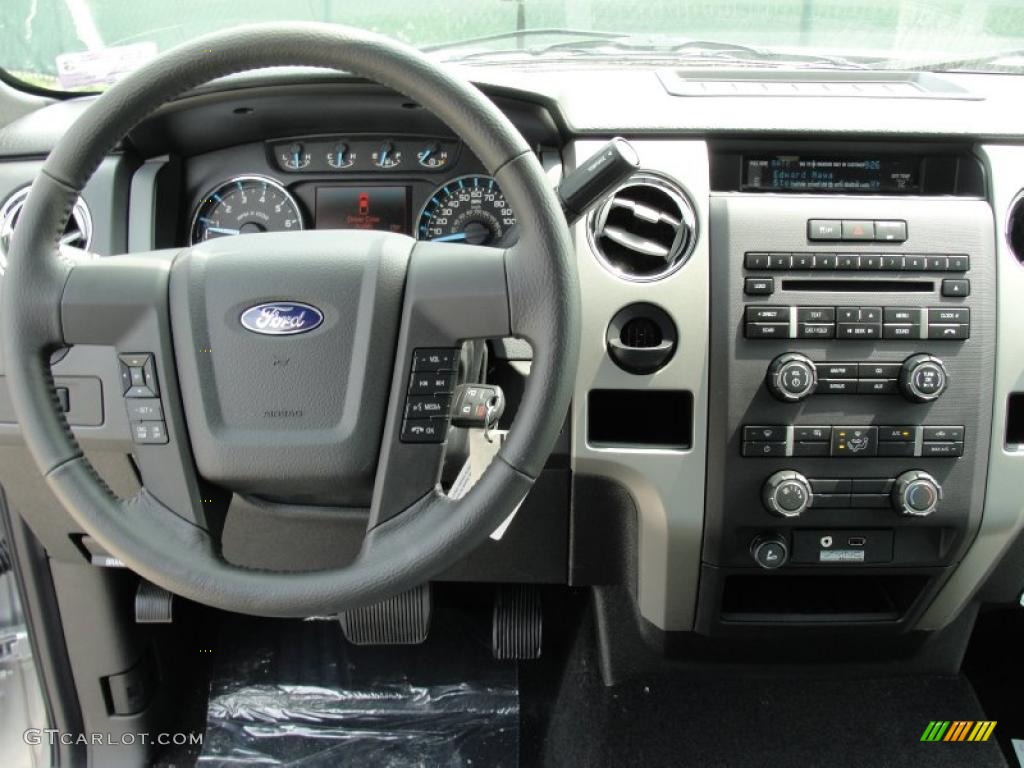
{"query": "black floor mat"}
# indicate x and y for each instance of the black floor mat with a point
(296, 694)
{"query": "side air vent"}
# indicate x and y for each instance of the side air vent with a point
(78, 233)
(645, 230)
(1015, 227)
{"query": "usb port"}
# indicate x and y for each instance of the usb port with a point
(856, 541)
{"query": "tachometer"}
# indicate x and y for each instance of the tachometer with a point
(244, 205)
(469, 209)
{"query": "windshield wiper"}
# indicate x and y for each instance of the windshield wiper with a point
(674, 51)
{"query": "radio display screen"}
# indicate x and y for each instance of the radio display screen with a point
(357, 207)
(800, 173)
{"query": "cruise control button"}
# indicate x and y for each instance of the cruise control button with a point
(145, 409)
(765, 434)
(149, 432)
(854, 441)
(138, 378)
(424, 430)
(954, 434)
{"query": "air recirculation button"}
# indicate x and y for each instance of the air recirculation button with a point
(641, 338)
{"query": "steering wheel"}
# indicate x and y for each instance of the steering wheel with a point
(316, 412)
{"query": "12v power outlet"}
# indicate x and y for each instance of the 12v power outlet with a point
(641, 338)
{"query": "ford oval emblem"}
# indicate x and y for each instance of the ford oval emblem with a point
(281, 318)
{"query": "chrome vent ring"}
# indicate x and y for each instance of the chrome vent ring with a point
(645, 230)
(77, 234)
(1015, 227)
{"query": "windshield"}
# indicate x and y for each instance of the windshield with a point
(85, 44)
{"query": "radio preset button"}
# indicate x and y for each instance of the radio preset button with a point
(756, 260)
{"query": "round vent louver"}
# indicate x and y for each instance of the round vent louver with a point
(1015, 227)
(645, 230)
(78, 233)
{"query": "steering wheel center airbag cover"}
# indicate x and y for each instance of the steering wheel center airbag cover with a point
(294, 416)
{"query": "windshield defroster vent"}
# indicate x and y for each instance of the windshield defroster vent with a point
(77, 234)
(645, 230)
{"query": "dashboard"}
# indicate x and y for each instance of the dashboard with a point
(800, 402)
(425, 186)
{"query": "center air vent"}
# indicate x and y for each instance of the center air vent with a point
(645, 230)
(77, 234)
(1015, 228)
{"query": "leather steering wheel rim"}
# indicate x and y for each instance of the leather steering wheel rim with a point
(401, 552)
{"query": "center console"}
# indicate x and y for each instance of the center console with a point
(852, 361)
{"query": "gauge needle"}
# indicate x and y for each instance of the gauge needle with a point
(223, 231)
(449, 238)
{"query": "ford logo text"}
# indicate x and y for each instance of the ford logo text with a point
(281, 318)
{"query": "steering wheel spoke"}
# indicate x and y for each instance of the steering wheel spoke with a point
(122, 302)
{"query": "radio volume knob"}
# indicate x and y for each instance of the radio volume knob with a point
(923, 378)
(916, 494)
(792, 377)
(787, 493)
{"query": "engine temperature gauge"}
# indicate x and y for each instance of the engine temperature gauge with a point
(387, 155)
(294, 157)
(341, 155)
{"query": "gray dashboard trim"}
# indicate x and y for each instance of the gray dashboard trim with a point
(1003, 517)
(667, 486)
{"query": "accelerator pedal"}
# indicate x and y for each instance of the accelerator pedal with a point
(153, 604)
(518, 623)
(401, 620)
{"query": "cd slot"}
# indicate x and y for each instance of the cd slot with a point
(858, 286)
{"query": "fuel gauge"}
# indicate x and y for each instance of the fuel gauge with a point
(294, 157)
(341, 156)
(387, 155)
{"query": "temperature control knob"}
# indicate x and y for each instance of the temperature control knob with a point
(916, 493)
(787, 493)
(792, 377)
(923, 378)
(769, 551)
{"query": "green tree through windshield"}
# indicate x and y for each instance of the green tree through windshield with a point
(35, 32)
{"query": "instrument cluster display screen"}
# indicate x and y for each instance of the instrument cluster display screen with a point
(798, 173)
(363, 207)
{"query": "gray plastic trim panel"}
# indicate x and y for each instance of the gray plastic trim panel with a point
(667, 485)
(1003, 517)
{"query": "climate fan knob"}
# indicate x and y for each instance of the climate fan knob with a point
(787, 493)
(916, 494)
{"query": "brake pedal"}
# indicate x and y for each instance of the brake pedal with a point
(517, 629)
(401, 620)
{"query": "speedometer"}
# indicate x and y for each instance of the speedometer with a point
(468, 209)
(245, 205)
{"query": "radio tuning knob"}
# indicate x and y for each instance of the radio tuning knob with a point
(792, 377)
(923, 378)
(916, 493)
(787, 493)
